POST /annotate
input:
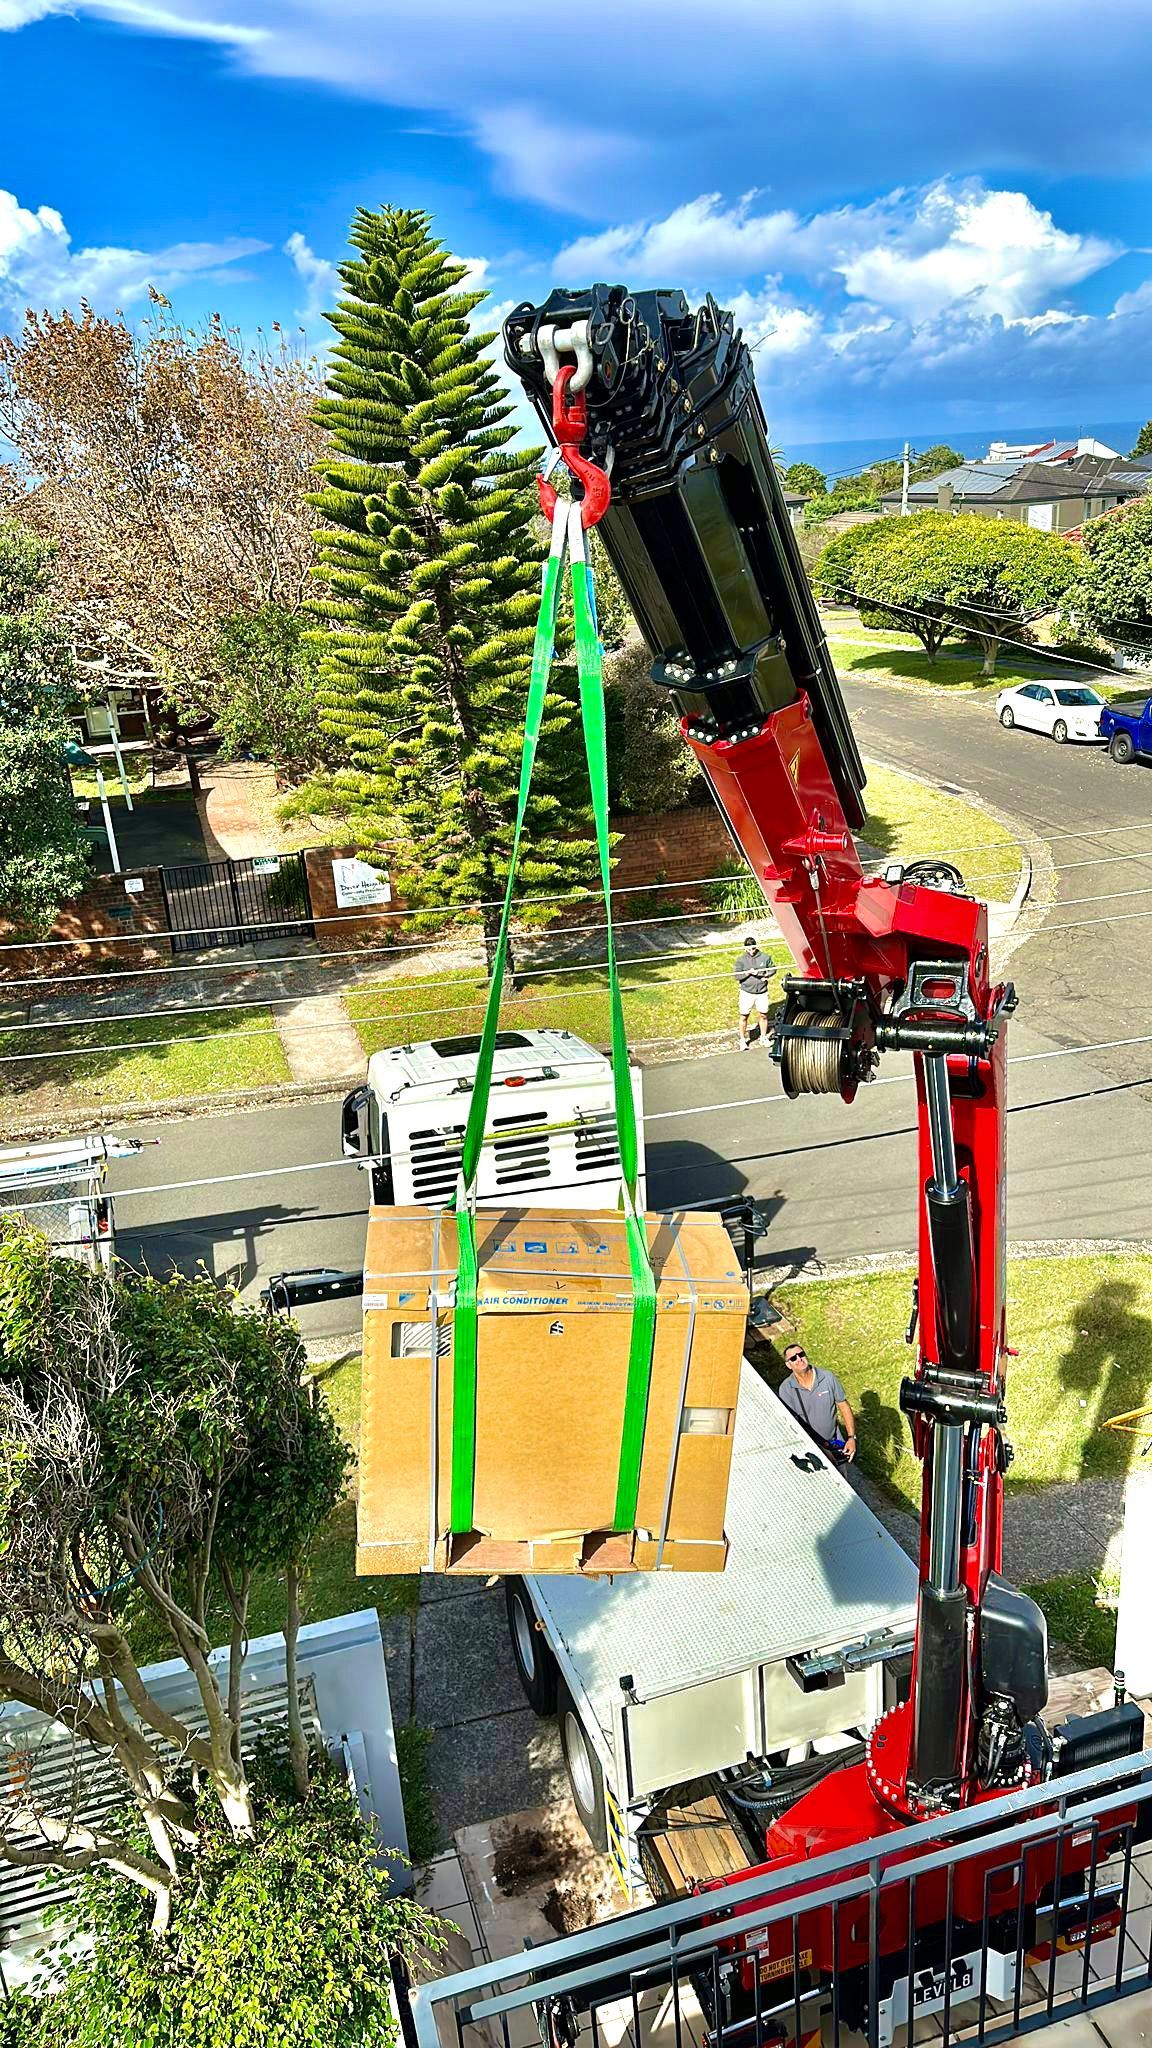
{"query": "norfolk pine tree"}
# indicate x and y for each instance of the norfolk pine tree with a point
(431, 557)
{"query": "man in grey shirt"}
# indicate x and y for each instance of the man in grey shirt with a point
(817, 1399)
(753, 972)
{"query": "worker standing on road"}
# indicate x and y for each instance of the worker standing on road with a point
(817, 1399)
(753, 972)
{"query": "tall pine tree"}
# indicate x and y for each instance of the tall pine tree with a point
(431, 557)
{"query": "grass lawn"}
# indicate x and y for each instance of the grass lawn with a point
(679, 998)
(207, 1055)
(909, 819)
(138, 768)
(1074, 1618)
(869, 654)
(1083, 1329)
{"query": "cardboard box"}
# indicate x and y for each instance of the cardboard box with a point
(553, 1326)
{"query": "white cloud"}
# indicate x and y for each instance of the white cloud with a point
(141, 14)
(39, 266)
(320, 278)
(911, 253)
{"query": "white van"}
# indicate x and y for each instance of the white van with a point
(551, 1125)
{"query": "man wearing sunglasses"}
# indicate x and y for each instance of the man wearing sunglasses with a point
(817, 1399)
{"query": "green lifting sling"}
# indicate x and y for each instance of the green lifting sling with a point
(568, 539)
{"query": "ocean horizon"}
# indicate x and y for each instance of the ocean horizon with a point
(845, 457)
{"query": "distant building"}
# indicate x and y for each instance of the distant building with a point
(1048, 451)
(1055, 495)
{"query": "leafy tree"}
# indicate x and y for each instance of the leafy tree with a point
(1113, 594)
(986, 577)
(1144, 440)
(868, 568)
(169, 465)
(934, 461)
(284, 1941)
(805, 477)
(649, 767)
(44, 855)
(431, 556)
(157, 1450)
(265, 691)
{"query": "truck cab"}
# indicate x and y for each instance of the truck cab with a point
(551, 1122)
(1128, 733)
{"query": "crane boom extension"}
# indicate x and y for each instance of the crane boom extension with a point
(699, 536)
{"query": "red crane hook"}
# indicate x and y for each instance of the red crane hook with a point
(570, 426)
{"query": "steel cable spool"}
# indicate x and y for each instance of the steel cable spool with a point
(813, 1066)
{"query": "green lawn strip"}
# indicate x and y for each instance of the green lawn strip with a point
(679, 998)
(204, 1055)
(909, 819)
(138, 768)
(662, 999)
(412, 1744)
(1070, 1604)
(1083, 1330)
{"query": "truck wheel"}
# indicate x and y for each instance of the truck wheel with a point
(1121, 748)
(1060, 732)
(535, 1664)
(585, 1778)
(1007, 718)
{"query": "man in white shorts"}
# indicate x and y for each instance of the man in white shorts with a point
(753, 973)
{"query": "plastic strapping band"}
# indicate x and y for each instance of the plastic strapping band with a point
(643, 1332)
(678, 1424)
(464, 1320)
(434, 1420)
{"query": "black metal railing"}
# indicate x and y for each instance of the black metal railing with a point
(234, 902)
(1000, 1919)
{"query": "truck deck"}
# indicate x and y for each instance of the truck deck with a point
(706, 1655)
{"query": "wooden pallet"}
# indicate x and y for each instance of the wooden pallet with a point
(693, 1840)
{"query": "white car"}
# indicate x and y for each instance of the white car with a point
(1065, 711)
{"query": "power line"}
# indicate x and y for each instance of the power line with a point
(652, 1117)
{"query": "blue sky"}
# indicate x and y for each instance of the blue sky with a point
(929, 214)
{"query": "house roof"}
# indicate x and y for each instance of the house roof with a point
(1016, 483)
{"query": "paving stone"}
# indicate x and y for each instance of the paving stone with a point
(464, 1666)
(494, 1766)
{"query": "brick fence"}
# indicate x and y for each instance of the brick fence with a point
(668, 846)
(672, 846)
(107, 909)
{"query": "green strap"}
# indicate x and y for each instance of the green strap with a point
(643, 1331)
(588, 660)
(464, 1313)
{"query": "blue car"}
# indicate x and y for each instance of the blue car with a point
(1128, 733)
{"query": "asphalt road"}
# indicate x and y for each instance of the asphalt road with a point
(1087, 975)
(837, 1182)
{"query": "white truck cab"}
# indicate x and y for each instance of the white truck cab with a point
(551, 1128)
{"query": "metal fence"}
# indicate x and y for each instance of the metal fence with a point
(234, 902)
(991, 1922)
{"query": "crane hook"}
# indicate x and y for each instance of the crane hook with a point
(570, 427)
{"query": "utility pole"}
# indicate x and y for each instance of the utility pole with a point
(904, 484)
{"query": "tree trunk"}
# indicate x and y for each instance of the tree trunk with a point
(491, 918)
(991, 648)
(297, 1745)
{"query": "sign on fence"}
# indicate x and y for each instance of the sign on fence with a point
(357, 884)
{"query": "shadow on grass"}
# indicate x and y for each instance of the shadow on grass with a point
(1108, 1368)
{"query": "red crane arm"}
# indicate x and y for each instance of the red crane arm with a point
(700, 537)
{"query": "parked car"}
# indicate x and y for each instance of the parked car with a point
(1128, 733)
(1065, 711)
